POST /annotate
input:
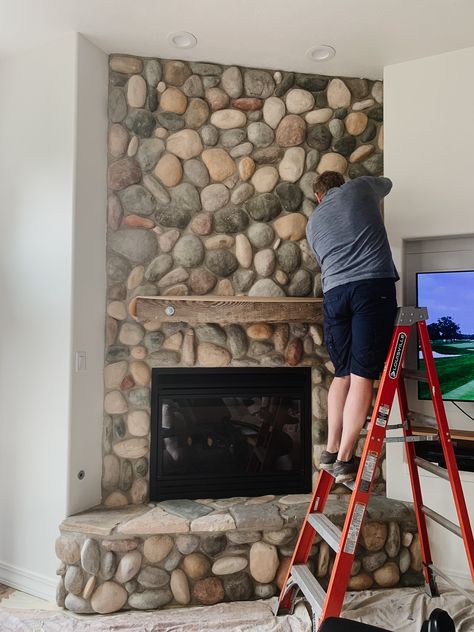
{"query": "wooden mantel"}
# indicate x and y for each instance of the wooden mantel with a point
(226, 310)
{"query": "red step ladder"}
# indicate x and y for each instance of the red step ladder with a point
(344, 542)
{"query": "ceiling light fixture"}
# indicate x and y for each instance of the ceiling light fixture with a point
(182, 39)
(322, 52)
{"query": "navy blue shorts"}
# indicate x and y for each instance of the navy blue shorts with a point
(358, 326)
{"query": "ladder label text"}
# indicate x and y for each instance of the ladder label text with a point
(354, 528)
(397, 355)
(368, 471)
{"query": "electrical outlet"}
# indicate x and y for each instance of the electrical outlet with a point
(80, 361)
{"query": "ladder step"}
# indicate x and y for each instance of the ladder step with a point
(412, 374)
(349, 484)
(422, 420)
(444, 522)
(454, 584)
(310, 587)
(431, 467)
(413, 439)
(326, 529)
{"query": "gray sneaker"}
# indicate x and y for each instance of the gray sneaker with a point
(327, 460)
(346, 470)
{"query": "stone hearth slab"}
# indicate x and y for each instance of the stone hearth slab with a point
(100, 520)
(187, 509)
(266, 516)
(155, 521)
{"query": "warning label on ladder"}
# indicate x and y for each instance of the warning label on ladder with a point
(368, 471)
(382, 416)
(354, 528)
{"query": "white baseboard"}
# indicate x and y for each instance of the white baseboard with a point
(463, 579)
(28, 581)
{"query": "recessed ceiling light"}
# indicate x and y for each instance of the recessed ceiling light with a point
(322, 52)
(182, 39)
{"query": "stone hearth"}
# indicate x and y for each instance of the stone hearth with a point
(177, 553)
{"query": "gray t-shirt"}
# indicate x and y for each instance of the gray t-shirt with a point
(347, 234)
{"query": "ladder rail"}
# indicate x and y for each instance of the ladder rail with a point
(447, 445)
(430, 585)
(299, 578)
(370, 455)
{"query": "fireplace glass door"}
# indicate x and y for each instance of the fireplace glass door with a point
(230, 432)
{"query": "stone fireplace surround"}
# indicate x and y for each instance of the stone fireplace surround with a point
(210, 186)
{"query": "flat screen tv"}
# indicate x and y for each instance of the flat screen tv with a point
(449, 297)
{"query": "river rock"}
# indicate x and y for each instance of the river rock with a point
(242, 193)
(228, 119)
(152, 577)
(189, 251)
(258, 83)
(185, 144)
(196, 113)
(263, 207)
(232, 82)
(265, 179)
(137, 92)
(90, 556)
(219, 164)
(169, 170)
(76, 604)
(374, 535)
(388, 575)
(128, 566)
(273, 111)
(261, 235)
(264, 262)
(176, 72)
(74, 580)
(214, 197)
(291, 227)
(363, 581)
(196, 565)
(126, 64)
(332, 162)
(291, 131)
(373, 561)
(150, 599)
(415, 554)
(260, 134)
(292, 165)
(211, 355)
(299, 101)
(266, 287)
(338, 94)
(230, 220)
(356, 123)
(117, 108)
(208, 591)
(243, 251)
(156, 548)
(238, 587)
(123, 173)
(392, 545)
(263, 562)
(201, 281)
(67, 549)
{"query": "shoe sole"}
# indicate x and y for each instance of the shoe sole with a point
(344, 478)
(328, 467)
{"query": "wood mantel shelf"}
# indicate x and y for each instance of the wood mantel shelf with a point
(226, 310)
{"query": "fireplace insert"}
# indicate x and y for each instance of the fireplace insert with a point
(217, 433)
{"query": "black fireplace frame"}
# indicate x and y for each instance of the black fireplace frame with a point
(279, 380)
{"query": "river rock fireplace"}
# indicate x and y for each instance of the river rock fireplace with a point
(230, 432)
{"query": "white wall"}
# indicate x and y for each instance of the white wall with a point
(50, 233)
(89, 283)
(429, 152)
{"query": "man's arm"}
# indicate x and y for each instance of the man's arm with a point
(381, 186)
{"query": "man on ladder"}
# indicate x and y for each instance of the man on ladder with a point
(356, 308)
(347, 235)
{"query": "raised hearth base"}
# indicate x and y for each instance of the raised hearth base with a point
(182, 552)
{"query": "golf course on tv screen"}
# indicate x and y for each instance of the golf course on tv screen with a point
(449, 297)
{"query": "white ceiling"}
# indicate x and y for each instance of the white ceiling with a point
(367, 34)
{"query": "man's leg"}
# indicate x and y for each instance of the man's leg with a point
(355, 413)
(336, 401)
